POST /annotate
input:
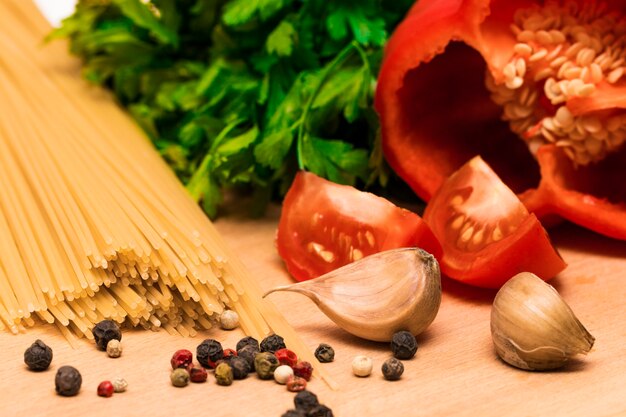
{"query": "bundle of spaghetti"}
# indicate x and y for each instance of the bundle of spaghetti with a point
(93, 224)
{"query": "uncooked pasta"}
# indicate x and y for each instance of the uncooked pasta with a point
(93, 224)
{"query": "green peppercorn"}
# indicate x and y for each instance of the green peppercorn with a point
(67, 381)
(104, 332)
(179, 377)
(325, 353)
(272, 343)
(265, 363)
(224, 374)
(392, 369)
(38, 356)
(240, 366)
(403, 345)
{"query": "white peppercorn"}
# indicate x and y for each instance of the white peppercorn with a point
(282, 374)
(119, 385)
(362, 366)
(229, 319)
(114, 348)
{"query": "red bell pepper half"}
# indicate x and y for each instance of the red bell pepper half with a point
(538, 89)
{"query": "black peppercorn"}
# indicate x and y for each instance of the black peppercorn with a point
(38, 356)
(392, 369)
(305, 400)
(325, 353)
(240, 366)
(403, 345)
(247, 341)
(319, 410)
(248, 353)
(272, 343)
(208, 352)
(104, 332)
(67, 381)
(294, 413)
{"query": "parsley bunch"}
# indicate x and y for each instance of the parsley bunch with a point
(244, 92)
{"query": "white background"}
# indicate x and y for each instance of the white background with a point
(55, 10)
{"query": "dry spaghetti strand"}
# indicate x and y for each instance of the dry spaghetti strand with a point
(93, 224)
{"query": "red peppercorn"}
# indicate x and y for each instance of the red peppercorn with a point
(286, 357)
(105, 389)
(181, 359)
(303, 369)
(229, 353)
(296, 384)
(198, 374)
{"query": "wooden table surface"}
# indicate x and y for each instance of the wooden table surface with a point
(455, 371)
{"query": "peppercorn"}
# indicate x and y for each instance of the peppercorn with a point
(198, 374)
(224, 374)
(319, 410)
(179, 377)
(229, 320)
(241, 367)
(362, 366)
(105, 389)
(106, 331)
(272, 343)
(208, 352)
(286, 357)
(67, 381)
(248, 340)
(119, 385)
(265, 363)
(229, 354)
(403, 345)
(282, 374)
(248, 353)
(114, 348)
(182, 358)
(38, 356)
(303, 369)
(392, 369)
(324, 353)
(294, 413)
(296, 384)
(305, 400)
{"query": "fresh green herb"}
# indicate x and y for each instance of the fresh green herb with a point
(244, 92)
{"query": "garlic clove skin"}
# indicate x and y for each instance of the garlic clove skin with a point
(379, 295)
(533, 328)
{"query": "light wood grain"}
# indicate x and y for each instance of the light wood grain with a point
(455, 371)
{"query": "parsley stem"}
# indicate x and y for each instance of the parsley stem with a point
(194, 186)
(328, 69)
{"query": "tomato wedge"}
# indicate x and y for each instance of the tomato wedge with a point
(487, 234)
(324, 225)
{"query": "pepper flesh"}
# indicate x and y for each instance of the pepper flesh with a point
(436, 112)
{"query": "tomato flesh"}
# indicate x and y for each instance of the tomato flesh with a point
(487, 234)
(324, 226)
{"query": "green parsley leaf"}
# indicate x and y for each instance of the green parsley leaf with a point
(243, 93)
(281, 40)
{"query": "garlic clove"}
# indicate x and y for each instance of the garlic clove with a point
(378, 295)
(533, 328)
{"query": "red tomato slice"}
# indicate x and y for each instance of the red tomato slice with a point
(486, 232)
(324, 225)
